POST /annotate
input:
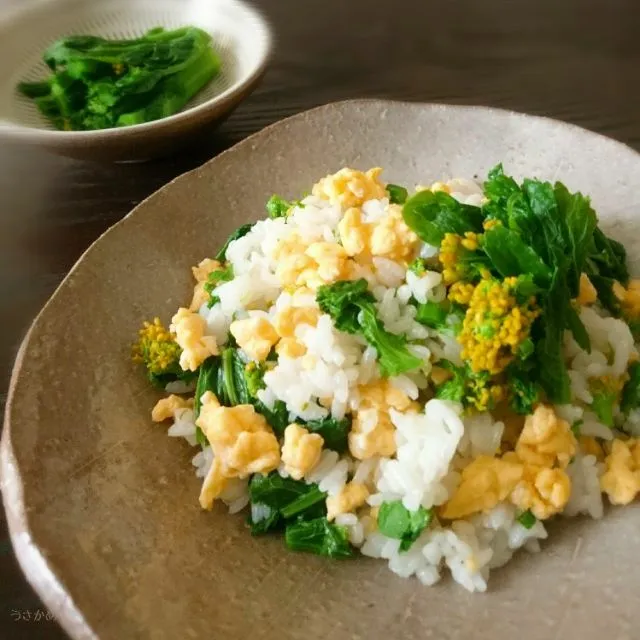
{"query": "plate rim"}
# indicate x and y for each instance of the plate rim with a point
(30, 558)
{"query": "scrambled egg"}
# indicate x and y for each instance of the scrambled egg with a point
(189, 328)
(546, 439)
(485, 482)
(495, 325)
(527, 477)
(242, 441)
(543, 491)
(301, 450)
(629, 298)
(587, 294)
(591, 447)
(376, 399)
(354, 232)
(389, 237)
(350, 188)
(621, 479)
(352, 496)
(201, 273)
(255, 336)
(165, 408)
(301, 265)
(366, 443)
(286, 321)
(290, 348)
(330, 259)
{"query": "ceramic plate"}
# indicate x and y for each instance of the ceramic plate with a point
(103, 507)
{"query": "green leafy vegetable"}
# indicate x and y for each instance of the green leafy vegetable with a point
(396, 521)
(631, 392)
(577, 328)
(524, 391)
(397, 194)
(207, 381)
(277, 207)
(231, 383)
(606, 393)
(215, 278)
(430, 215)
(334, 432)
(240, 232)
(320, 537)
(511, 256)
(417, 266)
(99, 84)
(432, 314)
(351, 307)
(527, 519)
(275, 499)
(576, 428)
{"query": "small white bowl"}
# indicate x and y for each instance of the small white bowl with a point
(240, 35)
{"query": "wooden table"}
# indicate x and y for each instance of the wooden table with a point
(575, 60)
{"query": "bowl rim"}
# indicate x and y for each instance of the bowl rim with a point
(185, 117)
(36, 569)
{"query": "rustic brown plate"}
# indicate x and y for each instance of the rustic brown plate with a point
(103, 507)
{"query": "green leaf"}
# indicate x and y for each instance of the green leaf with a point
(396, 521)
(631, 392)
(527, 519)
(549, 329)
(263, 519)
(602, 405)
(524, 391)
(320, 537)
(511, 256)
(577, 328)
(607, 257)
(350, 305)
(236, 235)
(334, 432)
(207, 381)
(278, 207)
(579, 225)
(430, 215)
(215, 278)
(232, 386)
(432, 314)
(303, 502)
(418, 267)
(201, 439)
(397, 194)
(606, 295)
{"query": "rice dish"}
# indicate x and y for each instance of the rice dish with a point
(424, 376)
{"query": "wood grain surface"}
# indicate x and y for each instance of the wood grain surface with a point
(575, 60)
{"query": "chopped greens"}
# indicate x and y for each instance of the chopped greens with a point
(334, 432)
(318, 536)
(100, 84)
(278, 207)
(207, 381)
(240, 232)
(215, 278)
(275, 499)
(396, 521)
(430, 215)
(351, 307)
(527, 519)
(631, 390)
(432, 314)
(397, 194)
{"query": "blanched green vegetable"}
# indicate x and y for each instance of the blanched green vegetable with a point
(396, 521)
(350, 305)
(320, 537)
(101, 84)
